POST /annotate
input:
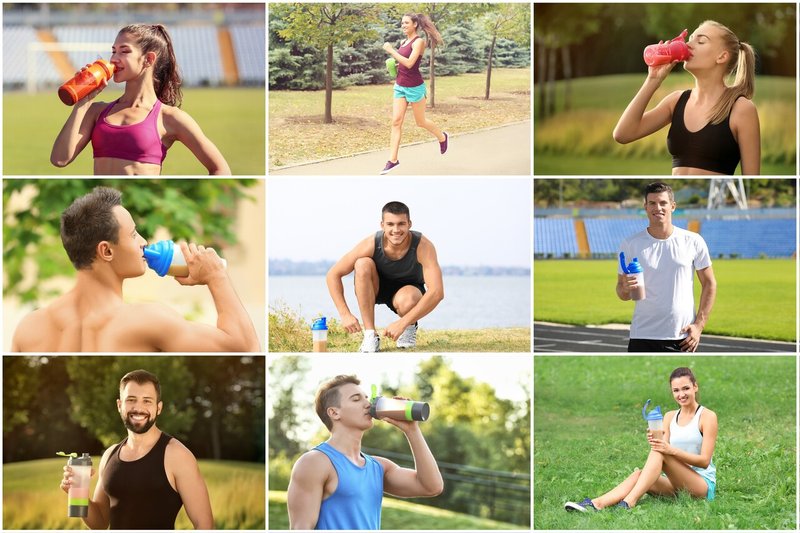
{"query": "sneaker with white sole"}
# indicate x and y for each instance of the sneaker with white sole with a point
(408, 339)
(371, 342)
(583, 506)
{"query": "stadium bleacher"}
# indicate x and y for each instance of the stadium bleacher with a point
(554, 236)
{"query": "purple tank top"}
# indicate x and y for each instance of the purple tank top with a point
(138, 142)
(409, 77)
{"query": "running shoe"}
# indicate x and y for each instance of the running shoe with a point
(443, 144)
(584, 506)
(408, 339)
(624, 505)
(371, 342)
(389, 166)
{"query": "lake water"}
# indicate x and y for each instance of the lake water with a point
(471, 302)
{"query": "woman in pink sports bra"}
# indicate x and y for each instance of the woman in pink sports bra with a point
(409, 88)
(131, 135)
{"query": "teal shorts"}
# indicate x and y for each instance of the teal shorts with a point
(411, 94)
(712, 489)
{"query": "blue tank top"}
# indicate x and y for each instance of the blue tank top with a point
(356, 502)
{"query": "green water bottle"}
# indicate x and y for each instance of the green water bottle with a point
(391, 66)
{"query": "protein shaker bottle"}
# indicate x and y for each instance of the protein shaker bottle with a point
(78, 498)
(85, 81)
(667, 52)
(391, 66)
(319, 334)
(383, 407)
(166, 258)
(655, 420)
(634, 269)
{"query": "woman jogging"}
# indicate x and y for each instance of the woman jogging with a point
(684, 455)
(409, 88)
(712, 126)
(132, 134)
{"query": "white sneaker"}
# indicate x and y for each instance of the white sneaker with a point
(408, 339)
(371, 342)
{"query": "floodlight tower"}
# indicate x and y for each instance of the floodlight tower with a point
(718, 193)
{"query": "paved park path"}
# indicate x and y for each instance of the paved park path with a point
(505, 150)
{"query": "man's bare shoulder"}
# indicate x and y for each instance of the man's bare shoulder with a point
(35, 331)
(312, 465)
(178, 453)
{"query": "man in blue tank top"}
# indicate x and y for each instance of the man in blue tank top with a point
(144, 480)
(395, 266)
(336, 485)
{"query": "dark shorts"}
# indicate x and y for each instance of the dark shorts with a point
(387, 288)
(652, 345)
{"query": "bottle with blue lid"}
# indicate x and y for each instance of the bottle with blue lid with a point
(319, 335)
(166, 258)
(634, 269)
(655, 420)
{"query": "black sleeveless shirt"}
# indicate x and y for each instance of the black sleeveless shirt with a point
(406, 269)
(140, 493)
(713, 148)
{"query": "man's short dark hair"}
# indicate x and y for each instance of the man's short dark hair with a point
(396, 208)
(328, 396)
(657, 187)
(87, 222)
(141, 377)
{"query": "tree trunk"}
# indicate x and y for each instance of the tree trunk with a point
(433, 77)
(551, 82)
(567, 66)
(542, 95)
(489, 68)
(329, 86)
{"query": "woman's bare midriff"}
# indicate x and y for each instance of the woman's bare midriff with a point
(111, 166)
(687, 171)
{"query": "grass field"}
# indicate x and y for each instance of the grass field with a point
(362, 115)
(289, 333)
(397, 514)
(234, 120)
(589, 435)
(563, 144)
(750, 302)
(32, 499)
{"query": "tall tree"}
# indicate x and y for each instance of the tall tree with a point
(506, 21)
(325, 26)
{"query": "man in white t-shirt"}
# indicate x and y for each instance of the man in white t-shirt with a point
(665, 320)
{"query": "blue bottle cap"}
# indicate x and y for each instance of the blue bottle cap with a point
(159, 256)
(655, 414)
(319, 325)
(635, 267)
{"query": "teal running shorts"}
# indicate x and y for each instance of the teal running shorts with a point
(411, 94)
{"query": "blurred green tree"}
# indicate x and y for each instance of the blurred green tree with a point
(198, 210)
(506, 21)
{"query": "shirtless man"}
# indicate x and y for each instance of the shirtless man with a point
(336, 485)
(100, 238)
(395, 266)
(145, 480)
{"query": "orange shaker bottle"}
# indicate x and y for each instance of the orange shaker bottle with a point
(85, 81)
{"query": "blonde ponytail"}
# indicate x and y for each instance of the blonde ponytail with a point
(742, 64)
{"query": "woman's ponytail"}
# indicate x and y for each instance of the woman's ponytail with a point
(425, 24)
(166, 79)
(743, 63)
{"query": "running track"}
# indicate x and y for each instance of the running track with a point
(549, 337)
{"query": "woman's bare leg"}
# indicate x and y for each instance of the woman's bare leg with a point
(650, 474)
(682, 476)
(399, 106)
(425, 122)
(617, 493)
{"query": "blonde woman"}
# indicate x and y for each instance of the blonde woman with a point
(409, 88)
(714, 126)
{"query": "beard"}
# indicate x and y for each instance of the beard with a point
(143, 428)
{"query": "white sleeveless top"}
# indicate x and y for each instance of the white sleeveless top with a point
(689, 439)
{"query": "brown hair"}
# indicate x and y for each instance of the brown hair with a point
(328, 396)
(425, 24)
(657, 187)
(684, 372)
(141, 377)
(743, 62)
(88, 221)
(166, 79)
(396, 208)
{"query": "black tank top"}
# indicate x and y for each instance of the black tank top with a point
(713, 148)
(140, 493)
(406, 269)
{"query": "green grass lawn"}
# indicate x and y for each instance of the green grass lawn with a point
(362, 115)
(398, 514)
(33, 500)
(579, 141)
(589, 435)
(289, 333)
(749, 303)
(234, 120)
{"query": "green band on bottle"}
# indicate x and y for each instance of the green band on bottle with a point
(79, 501)
(409, 405)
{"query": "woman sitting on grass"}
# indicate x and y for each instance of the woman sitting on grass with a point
(684, 455)
(132, 134)
(713, 125)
